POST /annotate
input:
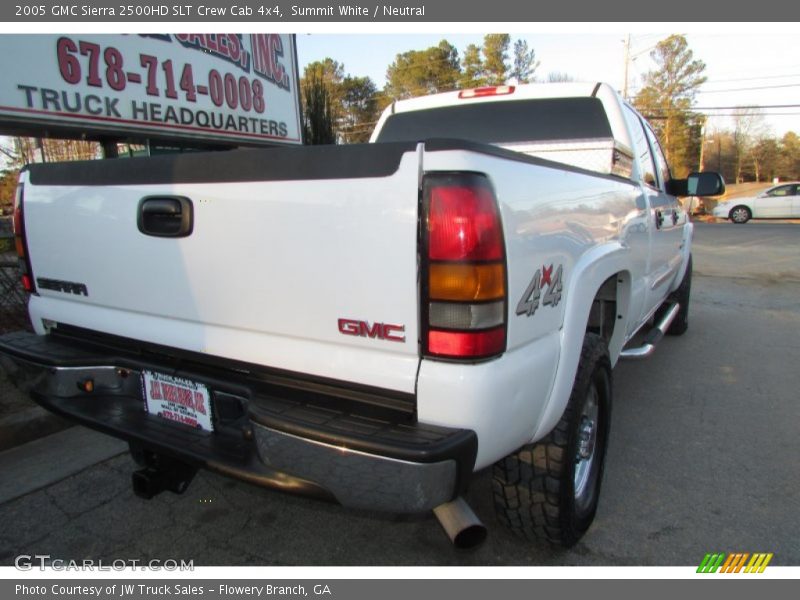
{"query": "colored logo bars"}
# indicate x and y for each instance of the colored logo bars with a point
(735, 563)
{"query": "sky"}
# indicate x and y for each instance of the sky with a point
(758, 67)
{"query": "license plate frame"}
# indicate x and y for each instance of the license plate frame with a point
(178, 400)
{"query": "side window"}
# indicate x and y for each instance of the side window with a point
(784, 190)
(661, 161)
(642, 149)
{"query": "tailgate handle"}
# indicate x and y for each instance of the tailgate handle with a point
(165, 216)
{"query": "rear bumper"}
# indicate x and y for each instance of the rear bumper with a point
(266, 434)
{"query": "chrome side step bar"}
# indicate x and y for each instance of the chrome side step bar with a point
(653, 336)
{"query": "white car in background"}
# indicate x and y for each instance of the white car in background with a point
(778, 202)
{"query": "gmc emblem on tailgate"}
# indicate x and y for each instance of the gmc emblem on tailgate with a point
(382, 331)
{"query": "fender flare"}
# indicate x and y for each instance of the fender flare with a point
(586, 278)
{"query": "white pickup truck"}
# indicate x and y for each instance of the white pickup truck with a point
(370, 324)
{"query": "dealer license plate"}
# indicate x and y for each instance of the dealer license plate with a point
(177, 399)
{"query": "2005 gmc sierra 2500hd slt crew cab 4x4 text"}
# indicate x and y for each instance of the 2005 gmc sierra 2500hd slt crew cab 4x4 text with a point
(370, 324)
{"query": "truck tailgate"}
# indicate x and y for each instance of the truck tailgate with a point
(297, 258)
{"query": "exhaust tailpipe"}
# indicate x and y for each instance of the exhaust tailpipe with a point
(460, 524)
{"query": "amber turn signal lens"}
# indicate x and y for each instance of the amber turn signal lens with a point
(466, 282)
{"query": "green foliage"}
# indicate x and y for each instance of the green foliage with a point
(360, 109)
(789, 164)
(495, 55)
(766, 159)
(765, 156)
(525, 63)
(351, 103)
(318, 117)
(667, 97)
(421, 72)
(471, 68)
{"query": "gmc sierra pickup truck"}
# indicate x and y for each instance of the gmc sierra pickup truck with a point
(369, 324)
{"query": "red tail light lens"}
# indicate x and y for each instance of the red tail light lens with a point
(464, 291)
(465, 343)
(462, 223)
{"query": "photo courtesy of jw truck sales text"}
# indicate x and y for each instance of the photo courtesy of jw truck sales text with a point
(230, 88)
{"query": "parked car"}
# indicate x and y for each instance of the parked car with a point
(778, 202)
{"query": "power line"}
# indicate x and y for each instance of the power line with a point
(752, 106)
(774, 114)
(747, 89)
(753, 78)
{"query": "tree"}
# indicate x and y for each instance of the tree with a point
(789, 165)
(667, 97)
(19, 151)
(331, 73)
(318, 115)
(8, 189)
(359, 109)
(559, 77)
(420, 72)
(766, 154)
(471, 68)
(749, 126)
(525, 63)
(495, 54)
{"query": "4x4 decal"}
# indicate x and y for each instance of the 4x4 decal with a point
(529, 302)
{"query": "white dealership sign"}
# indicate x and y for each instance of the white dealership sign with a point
(235, 88)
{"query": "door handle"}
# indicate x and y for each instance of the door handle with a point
(659, 219)
(165, 216)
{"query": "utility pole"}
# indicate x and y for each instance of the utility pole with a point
(701, 166)
(627, 60)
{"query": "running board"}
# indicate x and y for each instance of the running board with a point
(653, 336)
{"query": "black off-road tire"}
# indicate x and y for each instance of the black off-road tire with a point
(535, 488)
(682, 296)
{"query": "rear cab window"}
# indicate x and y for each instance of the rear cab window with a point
(530, 120)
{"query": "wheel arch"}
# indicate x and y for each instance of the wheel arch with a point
(599, 282)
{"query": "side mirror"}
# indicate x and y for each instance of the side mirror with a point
(707, 183)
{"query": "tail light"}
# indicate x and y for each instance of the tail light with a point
(464, 269)
(20, 242)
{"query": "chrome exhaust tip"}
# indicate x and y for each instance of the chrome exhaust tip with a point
(460, 524)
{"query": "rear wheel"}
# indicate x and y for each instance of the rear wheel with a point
(740, 214)
(549, 490)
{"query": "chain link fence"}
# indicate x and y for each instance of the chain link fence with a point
(13, 297)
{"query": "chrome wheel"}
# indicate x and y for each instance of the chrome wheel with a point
(740, 215)
(587, 441)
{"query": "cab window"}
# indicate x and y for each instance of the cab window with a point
(661, 162)
(644, 158)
